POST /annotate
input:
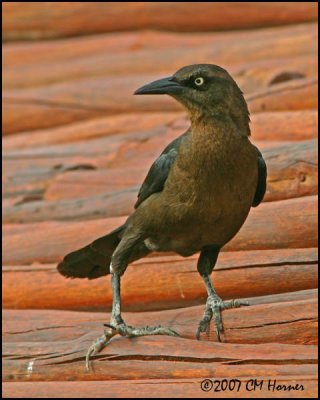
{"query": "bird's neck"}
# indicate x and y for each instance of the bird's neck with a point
(233, 114)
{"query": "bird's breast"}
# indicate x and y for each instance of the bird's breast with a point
(213, 178)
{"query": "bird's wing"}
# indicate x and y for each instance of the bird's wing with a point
(262, 180)
(159, 171)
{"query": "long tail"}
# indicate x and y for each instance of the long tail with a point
(93, 260)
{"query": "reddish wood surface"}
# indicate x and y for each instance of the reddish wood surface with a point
(178, 284)
(105, 126)
(160, 388)
(286, 224)
(268, 126)
(68, 102)
(30, 338)
(284, 96)
(292, 172)
(77, 145)
(284, 125)
(45, 20)
(256, 62)
(30, 173)
(252, 324)
(47, 62)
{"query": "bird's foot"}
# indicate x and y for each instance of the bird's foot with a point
(214, 307)
(127, 331)
(98, 345)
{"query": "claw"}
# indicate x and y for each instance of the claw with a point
(127, 331)
(217, 331)
(109, 326)
(214, 306)
(198, 333)
(99, 344)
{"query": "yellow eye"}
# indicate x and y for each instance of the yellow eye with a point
(199, 81)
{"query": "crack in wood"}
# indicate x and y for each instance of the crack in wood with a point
(273, 323)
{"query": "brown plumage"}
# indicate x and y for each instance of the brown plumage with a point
(197, 194)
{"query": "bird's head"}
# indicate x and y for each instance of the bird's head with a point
(206, 91)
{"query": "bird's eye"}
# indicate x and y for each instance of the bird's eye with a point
(199, 81)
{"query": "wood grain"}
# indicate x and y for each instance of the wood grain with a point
(91, 194)
(64, 338)
(77, 146)
(178, 284)
(47, 20)
(258, 61)
(67, 102)
(287, 224)
(160, 388)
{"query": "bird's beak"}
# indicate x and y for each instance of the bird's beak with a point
(161, 86)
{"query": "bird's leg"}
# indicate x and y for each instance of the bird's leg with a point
(214, 306)
(117, 325)
(103, 340)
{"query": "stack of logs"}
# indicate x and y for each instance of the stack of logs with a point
(77, 145)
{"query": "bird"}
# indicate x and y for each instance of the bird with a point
(194, 199)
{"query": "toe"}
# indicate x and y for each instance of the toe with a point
(201, 328)
(217, 319)
(234, 304)
(198, 332)
(170, 332)
(110, 326)
(217, 331)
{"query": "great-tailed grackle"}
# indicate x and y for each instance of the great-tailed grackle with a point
(195, 197)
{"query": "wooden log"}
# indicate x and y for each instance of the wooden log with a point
(47, 20)
(16, 370)
(249, 325)
(35, 111)
(28, 171)
(286, 224)
(155, 347)
(58, 104)
(286, 56)
(284, 125)
(22, 331)
(51, 52)
(253, 324)
(16, 323)
(292, 172)
(67, 235)
(116, 124)
(274, 126)
(99, 152)
(304, 386)
(26, 185)
(284, 96)
(273, 232)
(29, 174)
(178, 284)
(97, 182)
(33, 178)
(111, 204)
(26, 177)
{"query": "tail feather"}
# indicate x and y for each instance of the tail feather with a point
(93, 260)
